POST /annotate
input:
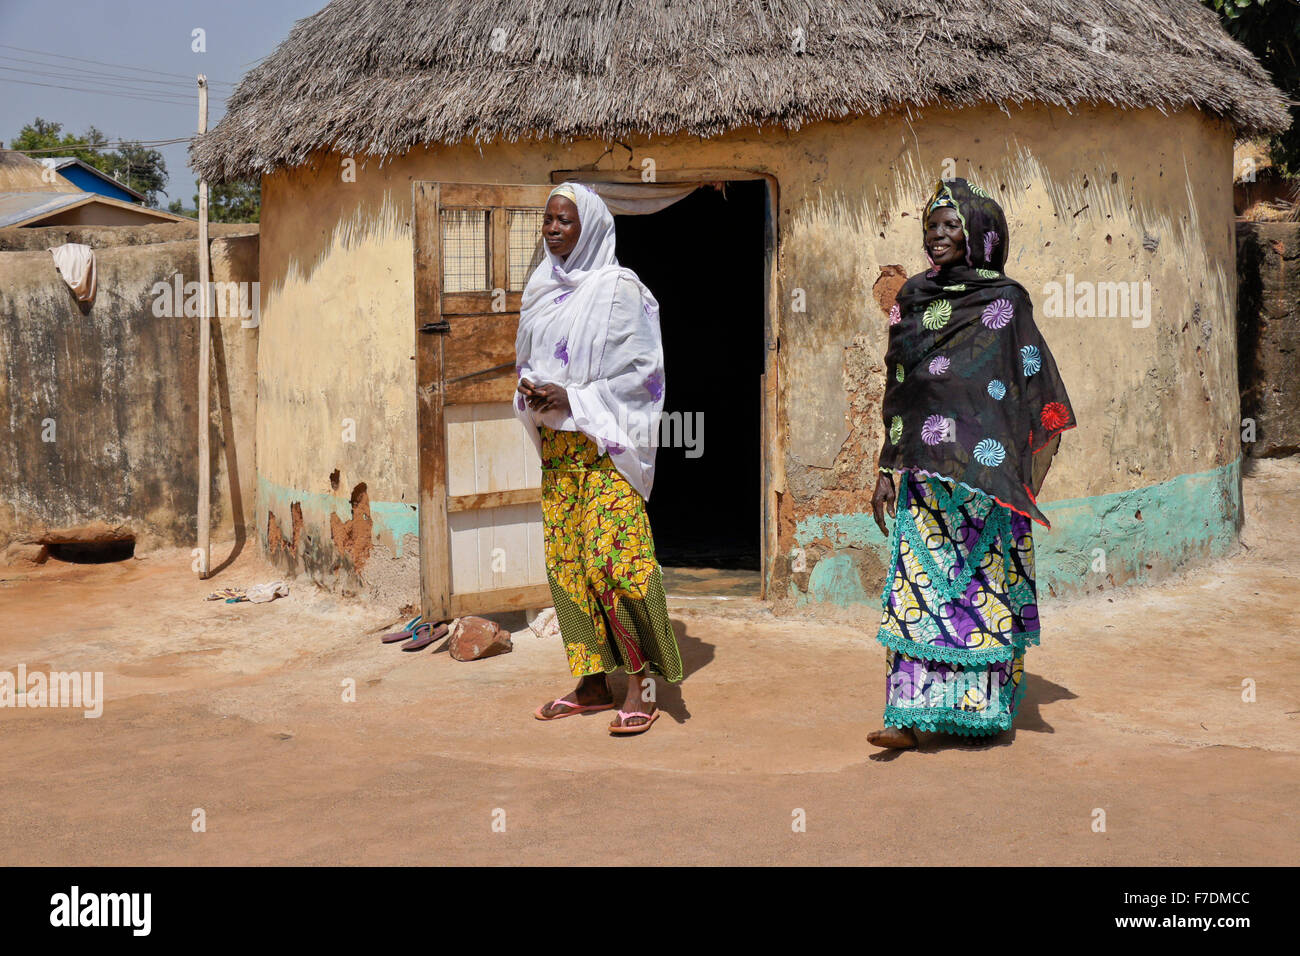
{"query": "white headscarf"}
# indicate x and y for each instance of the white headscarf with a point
(591, 326)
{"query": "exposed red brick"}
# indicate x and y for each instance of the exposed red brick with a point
(355, 537)
(885, 291)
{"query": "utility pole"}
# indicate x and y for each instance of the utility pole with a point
(205, 342)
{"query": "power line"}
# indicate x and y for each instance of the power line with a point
(97, 75)
(119, 66)
(81, 89)
(147, 143)
(108, 85)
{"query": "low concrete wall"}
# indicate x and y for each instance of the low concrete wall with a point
(101, 398)
(1268, 336)
(19, 239)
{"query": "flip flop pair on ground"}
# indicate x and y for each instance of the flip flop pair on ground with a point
(417, 633)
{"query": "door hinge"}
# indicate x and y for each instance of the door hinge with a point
(441, 327)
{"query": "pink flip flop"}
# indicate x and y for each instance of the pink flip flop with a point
(424, 635)
(405, 634)
(573, 709)
(623, 715)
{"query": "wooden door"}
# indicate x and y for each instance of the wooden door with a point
(480, 477)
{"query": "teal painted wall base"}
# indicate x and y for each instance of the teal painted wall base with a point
(1128, 537)
(392, 520)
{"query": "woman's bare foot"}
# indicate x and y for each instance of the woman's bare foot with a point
(897, 738)
(592, 691)
(633, 701)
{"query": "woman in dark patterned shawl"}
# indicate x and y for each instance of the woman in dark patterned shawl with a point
(973, 409)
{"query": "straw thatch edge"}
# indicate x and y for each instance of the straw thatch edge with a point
(375, 78)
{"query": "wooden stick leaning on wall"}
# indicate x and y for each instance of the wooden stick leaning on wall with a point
(205, 340)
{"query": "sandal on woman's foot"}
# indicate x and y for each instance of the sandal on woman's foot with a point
(624, 715)
(572, 711)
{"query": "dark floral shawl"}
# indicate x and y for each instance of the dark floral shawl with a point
(972, 393)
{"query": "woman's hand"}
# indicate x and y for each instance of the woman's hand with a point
(883, 499)
(544, 398)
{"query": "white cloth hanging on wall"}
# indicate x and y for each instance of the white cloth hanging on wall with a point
(76, 263)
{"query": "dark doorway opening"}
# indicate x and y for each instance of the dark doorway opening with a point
(93, 552)
(703, 258)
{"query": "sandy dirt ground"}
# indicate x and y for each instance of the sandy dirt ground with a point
(1134, 710)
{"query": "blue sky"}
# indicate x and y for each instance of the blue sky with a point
(148, 91)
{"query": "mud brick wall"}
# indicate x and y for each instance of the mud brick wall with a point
(100, 399)
(1268, 335)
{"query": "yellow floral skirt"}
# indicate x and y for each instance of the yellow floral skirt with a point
(600, 561)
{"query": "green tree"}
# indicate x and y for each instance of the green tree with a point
(178, 207)
(238, 201)
(1270, 29)
(143, 170)
(43, 136)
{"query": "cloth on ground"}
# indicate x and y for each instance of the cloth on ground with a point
(257, 594)
(261, 593)
(546, 624)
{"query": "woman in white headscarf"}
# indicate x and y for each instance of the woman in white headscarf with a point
(591, 390)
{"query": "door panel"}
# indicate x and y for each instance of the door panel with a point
(480, 480)
(479, 358)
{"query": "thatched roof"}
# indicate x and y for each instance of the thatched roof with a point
(376, 77)
(1251, 159)
(20, 173)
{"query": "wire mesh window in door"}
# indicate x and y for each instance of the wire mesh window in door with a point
(464, 250)
(525, 245)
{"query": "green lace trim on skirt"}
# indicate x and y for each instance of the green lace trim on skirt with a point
(959, 655)
(946, 720)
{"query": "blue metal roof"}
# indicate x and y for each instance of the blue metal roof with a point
(85, 176)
